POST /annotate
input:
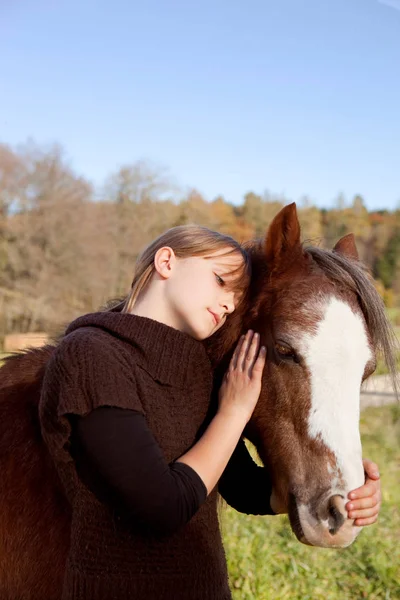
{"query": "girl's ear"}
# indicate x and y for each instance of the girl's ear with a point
(164, 261)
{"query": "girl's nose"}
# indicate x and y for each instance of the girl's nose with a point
(229, 304)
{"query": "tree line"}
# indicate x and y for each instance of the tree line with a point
(66, 247)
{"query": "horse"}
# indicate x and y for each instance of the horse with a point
(323, 324)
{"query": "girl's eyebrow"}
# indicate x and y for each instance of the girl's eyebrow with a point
(230, 269)
(224, 273)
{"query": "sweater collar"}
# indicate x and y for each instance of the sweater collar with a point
(167, 354)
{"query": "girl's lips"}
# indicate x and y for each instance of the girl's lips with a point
(216, 318)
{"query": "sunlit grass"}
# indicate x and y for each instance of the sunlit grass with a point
(266, 562)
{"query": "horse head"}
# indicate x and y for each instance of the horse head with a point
(322, 321)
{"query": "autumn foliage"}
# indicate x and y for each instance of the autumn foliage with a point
(66, 247)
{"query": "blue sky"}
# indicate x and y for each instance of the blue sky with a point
(294, 96)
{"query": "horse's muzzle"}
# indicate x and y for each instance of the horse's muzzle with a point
(326, 525)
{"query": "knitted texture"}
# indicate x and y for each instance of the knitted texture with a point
(113, 359)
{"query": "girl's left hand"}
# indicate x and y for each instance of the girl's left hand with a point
(365, 501)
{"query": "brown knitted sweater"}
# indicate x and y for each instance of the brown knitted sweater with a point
(121, 360)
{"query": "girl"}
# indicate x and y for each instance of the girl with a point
(123, 402)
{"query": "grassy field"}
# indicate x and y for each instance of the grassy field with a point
(266, 562)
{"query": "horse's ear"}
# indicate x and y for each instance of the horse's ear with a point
(347, 246)
(283, 234)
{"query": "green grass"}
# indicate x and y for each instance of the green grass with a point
(266, 562)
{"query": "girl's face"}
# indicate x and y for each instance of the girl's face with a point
(198, 292)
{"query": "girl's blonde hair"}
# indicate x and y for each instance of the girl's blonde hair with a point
(187, 241)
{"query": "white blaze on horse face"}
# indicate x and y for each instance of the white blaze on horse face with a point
(336, 357)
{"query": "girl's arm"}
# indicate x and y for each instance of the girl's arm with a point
(119, 460)
(238, 397)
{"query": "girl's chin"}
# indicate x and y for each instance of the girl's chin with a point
(204, 333)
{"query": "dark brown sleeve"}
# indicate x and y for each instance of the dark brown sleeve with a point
(244, 485)
(118, 458)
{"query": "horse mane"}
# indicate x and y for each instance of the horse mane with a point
(352, 275)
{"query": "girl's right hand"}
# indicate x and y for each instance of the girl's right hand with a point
(241, 386)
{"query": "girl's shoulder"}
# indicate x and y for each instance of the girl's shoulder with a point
(87, 370)
(89, 342)
(90, 357)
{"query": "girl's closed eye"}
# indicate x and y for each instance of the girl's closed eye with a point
(219, 279)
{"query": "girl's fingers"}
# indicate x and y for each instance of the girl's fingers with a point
(260, 362)
(252, 350)
(363, 522)
(244, 349)
(246, 354)
(368, 489)
(371, 468)
(366, 513)
(234, 359)
(362, 503)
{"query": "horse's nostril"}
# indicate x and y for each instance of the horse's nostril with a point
(336, 513)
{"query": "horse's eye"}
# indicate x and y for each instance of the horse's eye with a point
(285, 351)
